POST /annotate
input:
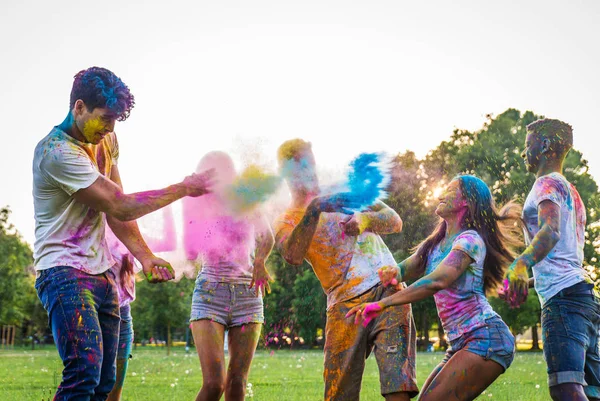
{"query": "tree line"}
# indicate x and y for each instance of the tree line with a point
(295, 310)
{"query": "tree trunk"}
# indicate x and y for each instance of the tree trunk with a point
(425, 331)
(534, 336)
(168, 338)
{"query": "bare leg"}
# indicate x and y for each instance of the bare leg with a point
(432, 376)
(209, 338)
(115, 393)
(397, 397)
(463, 378)
(242, 344)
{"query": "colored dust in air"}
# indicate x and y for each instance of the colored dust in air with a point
(252, 187)
(367, 179)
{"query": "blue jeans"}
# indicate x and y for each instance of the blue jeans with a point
(570, 333)
(83, 313)
(125, 344)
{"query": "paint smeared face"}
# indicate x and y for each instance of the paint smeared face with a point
(532, 152)
(94, 125)
(300, 173)
(452, 200)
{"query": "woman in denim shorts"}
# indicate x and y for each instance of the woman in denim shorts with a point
(463, 258)
(232, 249)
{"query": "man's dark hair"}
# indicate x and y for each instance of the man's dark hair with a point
(99, 87)
(559, 133)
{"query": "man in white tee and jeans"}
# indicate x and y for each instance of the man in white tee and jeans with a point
(555, 219)
(77, 191)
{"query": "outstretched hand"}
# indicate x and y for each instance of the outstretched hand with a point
(157, 270)
(365, 312)
(199, 184)
(515, 285)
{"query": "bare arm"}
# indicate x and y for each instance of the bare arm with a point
(442, 277)
(295, 246)
(541, 245)
(264, 245)
(264, 240)
(382, 219)
(107, 196)
(129, 234)
(379, 219)
(411, 268)
(546, 238)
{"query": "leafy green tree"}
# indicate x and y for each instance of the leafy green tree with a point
(161, 309)
(309, 305)
(493, 153)
(16, 281)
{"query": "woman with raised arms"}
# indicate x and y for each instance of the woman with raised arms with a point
(463, 259)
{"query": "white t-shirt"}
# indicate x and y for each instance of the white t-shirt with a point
(69, 233)
(563, 267)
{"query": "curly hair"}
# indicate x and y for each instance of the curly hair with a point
(99, 87)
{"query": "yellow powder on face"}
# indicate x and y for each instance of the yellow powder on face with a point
(92, 127)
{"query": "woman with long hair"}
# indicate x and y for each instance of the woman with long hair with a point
(232, 249)
(459, 263)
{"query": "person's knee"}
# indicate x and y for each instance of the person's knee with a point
(214, 388)
(402, 396)
(236, 384)
(567, 391)
(80, 378)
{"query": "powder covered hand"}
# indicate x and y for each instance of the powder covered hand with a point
(355, 225)
(516, 283)
(366, 312)
(261, 279)
(389, 275)
(199, 184)
(157, 270)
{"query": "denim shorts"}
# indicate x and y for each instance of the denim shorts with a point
(570, 325)
(493, 341)
(228, 304)
(125, 333)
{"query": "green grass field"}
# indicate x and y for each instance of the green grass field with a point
(276, 376)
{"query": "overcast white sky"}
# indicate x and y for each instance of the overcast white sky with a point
(243, 76)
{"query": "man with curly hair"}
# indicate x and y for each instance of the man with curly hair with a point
(76, 191)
